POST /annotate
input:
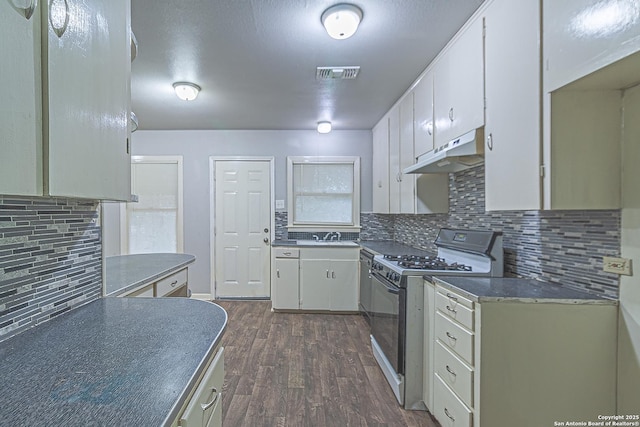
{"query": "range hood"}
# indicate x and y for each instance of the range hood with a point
(459, 154)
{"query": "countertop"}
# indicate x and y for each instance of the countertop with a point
(114, 361)
(315, 243)
(390, 247)
(124, 273)
(481, 289)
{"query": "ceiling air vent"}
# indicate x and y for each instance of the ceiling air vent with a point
(340, 73)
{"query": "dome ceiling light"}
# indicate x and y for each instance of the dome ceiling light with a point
(186, 91)
(341, 21)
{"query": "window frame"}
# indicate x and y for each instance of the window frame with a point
(355, 197)
(124, 218)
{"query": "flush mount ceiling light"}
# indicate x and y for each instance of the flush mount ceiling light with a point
(324, 127)
(186, 91)
(341, 21)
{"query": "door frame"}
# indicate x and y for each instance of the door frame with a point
(212, 210)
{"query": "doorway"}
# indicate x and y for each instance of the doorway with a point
(241, 226)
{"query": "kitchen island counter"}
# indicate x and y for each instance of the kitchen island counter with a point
(114, 361)
(124, 273)
(481, 289)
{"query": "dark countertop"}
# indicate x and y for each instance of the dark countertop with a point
(482, 289)
(391, 247)
(114, 361)
(315, 244)
(124, 273)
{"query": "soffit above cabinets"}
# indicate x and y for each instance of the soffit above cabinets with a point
(256, 61)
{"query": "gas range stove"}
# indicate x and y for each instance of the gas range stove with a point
(460, 252)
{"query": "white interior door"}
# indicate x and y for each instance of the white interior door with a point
(242, 228)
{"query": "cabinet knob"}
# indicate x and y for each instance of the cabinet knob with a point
(27, 11)
(490, 142)
(58, 17)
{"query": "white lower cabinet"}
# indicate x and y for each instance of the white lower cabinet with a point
(324, 279)
(204, 407)
(174, 285)
(519, 363)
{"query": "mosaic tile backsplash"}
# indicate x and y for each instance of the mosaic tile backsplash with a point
(50, 259)
(563, 247)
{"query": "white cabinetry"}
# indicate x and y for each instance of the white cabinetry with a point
(497, 363)
(20, 109)
(204, 408)
(329, 279)
(459, 85)
(285, 280)
(428, 351)
(172, 285)
(582, 36)
(423, 114)
(74, 66)
(512, 85)
(380, 170)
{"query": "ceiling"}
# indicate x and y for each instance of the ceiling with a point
(256, 60)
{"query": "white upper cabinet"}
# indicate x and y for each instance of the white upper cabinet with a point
(406, 202)
(512, 85)
(64, 119)
(380, 168)
(582, 36)
(87, 103)
(459, 85)
(423, 114)
(20, 109)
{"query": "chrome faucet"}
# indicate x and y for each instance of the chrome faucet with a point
(315, 237)
(326, 236)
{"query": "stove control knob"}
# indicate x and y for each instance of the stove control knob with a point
(395, 277)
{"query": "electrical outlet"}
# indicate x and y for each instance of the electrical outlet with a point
(616, 265)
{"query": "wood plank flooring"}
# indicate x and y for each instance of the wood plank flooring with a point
(290, 369)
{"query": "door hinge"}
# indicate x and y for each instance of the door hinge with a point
(542, 171)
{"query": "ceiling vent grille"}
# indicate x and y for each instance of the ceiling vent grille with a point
(339, 73)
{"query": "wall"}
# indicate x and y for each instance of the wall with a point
(197, 146)
(50, 259)
(629, 321)
(563, 247)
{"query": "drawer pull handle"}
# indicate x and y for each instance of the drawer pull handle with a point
(278, 274)
(286, 253)
(451, 371)
(446, 412)
(451, 309)
(451, 297)
(208, 405)
(327, 274)
(452, 337)
(175, 282)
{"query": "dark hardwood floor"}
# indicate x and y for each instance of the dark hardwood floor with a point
(289, 369)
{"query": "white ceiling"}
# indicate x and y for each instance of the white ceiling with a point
(256, 60)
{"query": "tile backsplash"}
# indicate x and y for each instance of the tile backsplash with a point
(50, 259)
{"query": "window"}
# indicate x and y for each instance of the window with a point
(154, 223)
(323, 192)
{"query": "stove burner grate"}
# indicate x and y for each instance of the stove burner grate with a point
(417, 262)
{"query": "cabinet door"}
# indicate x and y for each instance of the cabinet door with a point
(407, 158)
(459, 86)
(315, 284)
(20, 109)
(423, 115)
(512, 84)
(380, 170)
(285, 284)
(344, 285)
(582, 36)
(394, 160)
(86, 80)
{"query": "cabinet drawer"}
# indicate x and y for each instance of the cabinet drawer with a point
(206, 402)
(286, 252)
(454, 336)
(171, 283)
(452, 307)
(447, 408)
(455, 373)
(455, 297)
(147, 291)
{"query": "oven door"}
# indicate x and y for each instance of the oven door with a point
(387, 325)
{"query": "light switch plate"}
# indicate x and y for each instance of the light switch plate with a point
(279, 204)
(616, 265)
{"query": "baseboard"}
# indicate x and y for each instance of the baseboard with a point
(204, 297)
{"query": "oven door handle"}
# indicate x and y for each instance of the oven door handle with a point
(390, 289)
